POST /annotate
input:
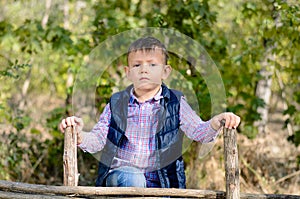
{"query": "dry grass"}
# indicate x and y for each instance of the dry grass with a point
(267, 163)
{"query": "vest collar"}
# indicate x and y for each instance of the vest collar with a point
(163, 92)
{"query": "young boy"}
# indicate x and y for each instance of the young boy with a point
(141, 129)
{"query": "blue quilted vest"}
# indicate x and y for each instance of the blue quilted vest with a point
(168, 138)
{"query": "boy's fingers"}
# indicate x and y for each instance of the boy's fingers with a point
(78, 120)
(238, 120)
(232, 120)
(61, 127)
(70, 121)
(226, 117)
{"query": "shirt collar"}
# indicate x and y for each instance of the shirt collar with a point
(156, 97)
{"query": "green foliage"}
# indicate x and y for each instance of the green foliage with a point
(294, 119)
(54, 118)
(13, 70)
(260, 29)
(50, 55)
(295, 138)
(29, 36)
(14, 147)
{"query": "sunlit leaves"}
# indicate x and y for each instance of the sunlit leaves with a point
(237, 41)
(13, 70)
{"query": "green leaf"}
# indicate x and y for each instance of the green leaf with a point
(291, 110)
(250, 131)
(295, 138)
(35, 131)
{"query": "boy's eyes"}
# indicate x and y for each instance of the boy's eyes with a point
(150, 65)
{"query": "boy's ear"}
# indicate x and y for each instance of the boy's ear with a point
(126, 69)
(167, 71)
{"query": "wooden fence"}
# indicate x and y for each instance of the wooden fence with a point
(71, 190)
(230, 156)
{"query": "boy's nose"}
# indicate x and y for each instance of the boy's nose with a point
(144, 68)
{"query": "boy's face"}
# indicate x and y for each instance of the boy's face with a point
(147, 69)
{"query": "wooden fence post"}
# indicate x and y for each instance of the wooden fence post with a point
(70, 157)
(232, 172)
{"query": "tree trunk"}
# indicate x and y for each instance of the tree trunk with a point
(66, 14)
(264, 85)
(24, 90)
(70, 76)
(263, 91)
(47, 13)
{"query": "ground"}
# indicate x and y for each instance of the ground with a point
(267, 163)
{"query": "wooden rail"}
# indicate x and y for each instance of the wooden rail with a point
(12, 190)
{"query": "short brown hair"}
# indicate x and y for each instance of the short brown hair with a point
(148, 44)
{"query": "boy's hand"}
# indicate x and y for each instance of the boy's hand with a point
(232, 121)
(72, 122)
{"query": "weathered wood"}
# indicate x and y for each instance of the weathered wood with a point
(99, 192)
(12, 195)
(232, 172)
(70, 157)
(106, 191)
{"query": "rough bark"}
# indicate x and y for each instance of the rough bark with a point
(10, 188)
(232, 172)
(70, 158)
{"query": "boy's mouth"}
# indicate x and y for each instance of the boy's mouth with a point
(144, 78)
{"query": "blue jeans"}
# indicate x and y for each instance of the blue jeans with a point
(126, 177)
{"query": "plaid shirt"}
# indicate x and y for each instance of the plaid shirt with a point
(139, 149)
